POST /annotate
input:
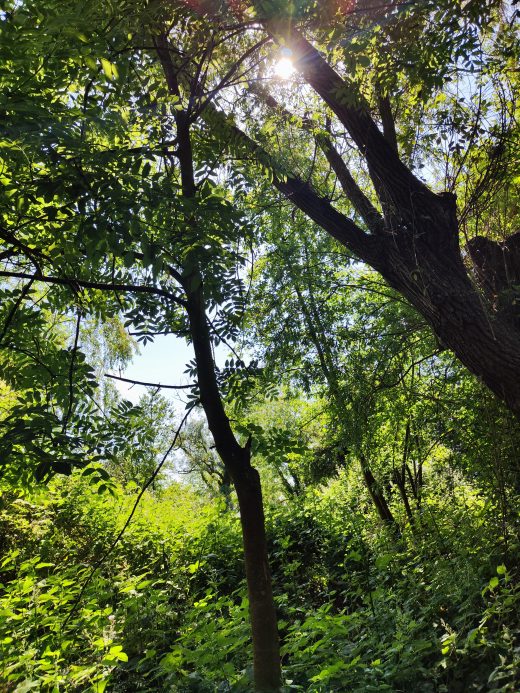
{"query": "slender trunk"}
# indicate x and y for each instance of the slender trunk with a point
(400, 476)
(236, 459)
(266, 649)
(377, 495)
(415, 479)
(399, 479)
(246, 480)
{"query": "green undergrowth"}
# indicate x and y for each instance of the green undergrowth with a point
(360, 608)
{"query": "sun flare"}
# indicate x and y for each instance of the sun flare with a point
(284, 68)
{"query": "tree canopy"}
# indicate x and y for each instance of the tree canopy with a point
(328, 193)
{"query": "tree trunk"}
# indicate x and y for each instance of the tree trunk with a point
(266, 650)
(246, 480)
(236, 459)
(414, 244)
(400, 482)
(427, 268)
(377, 495)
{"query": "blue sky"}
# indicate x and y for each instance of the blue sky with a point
(162, 361)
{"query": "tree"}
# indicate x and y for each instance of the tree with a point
(127, 225)
(202, 459)
(354, 343)
(147, 442)
(405, 230)
(117, 185)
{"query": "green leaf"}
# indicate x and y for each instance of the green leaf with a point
(383, 561)
(116, 651)
(109, 69)
(494, 582)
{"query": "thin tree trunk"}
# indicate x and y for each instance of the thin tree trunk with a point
(236, 459)
(246, 480)
(400, 476)
(266, 649)
(377, 495)
(399, 479)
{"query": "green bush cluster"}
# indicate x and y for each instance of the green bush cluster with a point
(360, 608)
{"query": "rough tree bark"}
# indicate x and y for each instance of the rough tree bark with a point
(415, 243)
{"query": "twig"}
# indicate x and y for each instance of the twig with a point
(140, 382)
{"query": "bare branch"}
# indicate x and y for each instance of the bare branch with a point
(156, 385)
(75, 283)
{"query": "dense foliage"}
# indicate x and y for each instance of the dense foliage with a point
(321, 200)
(360, 610)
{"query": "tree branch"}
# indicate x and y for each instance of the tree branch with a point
(156, 385)
(339, 226)
(84, 284)
(31, 253)
(319, 209)
(393, 181)
(363, 206)
(357, 197)
(171, 270)
(12, 313)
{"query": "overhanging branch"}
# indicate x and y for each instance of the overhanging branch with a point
(319, 209)
(75, 283)
(156, 385)
(357, 197)
(364, 207)
(392, 179)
